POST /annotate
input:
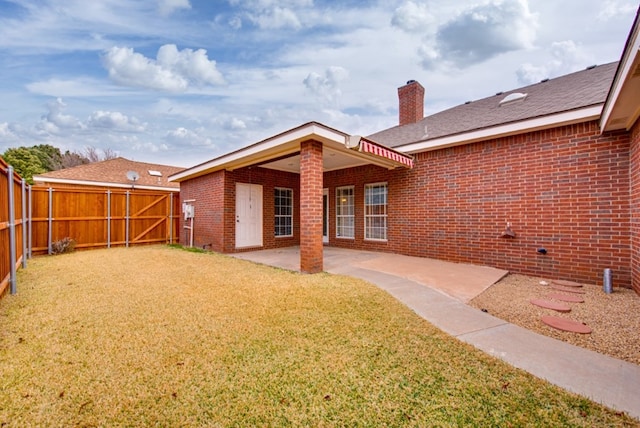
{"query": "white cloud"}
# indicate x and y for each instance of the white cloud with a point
(272, 14)
(167, 7)
(58, 119)
(6, 134)
(566, 57)
(194, 65)
(275, 18)
(612, 8)
(413, 17)
(79, 87)
(327, 87)
(172, 71)
(147, 146)
(185, 137)
(235, 22)
(236, 124)
(485, 31)
(115, 121)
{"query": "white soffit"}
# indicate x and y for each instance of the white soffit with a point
(622, 108)
(530, 125)
(274, 147)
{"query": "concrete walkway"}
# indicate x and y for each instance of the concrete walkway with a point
(438, 291)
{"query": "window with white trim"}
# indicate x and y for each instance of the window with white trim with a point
(345, 212)
(375, 211)
(283, 209)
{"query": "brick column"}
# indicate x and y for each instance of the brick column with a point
(311, 207)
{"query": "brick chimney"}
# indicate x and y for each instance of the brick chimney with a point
(411, 97)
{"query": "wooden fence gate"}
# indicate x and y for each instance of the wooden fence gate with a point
(102, 218)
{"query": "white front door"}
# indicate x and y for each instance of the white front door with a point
(325, 216)
(248, 215)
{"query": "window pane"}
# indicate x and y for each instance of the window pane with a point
(283, 210)
(345, 211)
(375, 211)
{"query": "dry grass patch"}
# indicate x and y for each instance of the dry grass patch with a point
(165, 337)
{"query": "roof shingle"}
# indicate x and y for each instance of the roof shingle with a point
(565, 93)
(115, 171)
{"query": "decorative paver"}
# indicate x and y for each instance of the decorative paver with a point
(566, 283)
(573, 298)
(567, 289)
(547, 304)
(566, 324)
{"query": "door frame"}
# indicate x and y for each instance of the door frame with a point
(255, 208)
(325, 215)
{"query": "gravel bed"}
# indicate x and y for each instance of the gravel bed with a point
(614, 318)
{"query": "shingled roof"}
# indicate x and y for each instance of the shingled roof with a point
(571, 92)
(113, 173)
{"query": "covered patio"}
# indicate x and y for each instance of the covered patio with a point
(294, 164)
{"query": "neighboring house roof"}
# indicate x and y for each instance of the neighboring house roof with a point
(113, 173)
(574, 97)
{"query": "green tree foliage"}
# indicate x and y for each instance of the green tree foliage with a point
(25, 161)
(49, 156)
(34, 160)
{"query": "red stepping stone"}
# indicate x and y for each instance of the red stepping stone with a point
(547, 304)
(566, 325)
(566, 283)
(566, 297)
(567, 289)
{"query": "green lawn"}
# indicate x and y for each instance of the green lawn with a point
(158, 336)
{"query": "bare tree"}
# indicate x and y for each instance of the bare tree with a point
(93, 154)
(71, 159)
(109, 154)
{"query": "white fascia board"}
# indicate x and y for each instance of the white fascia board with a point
(624, 70)
(102, 184)
(228, 160)
(546, 122)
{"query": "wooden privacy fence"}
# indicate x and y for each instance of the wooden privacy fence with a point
(32, 219)
(13, 219)
(101, 218)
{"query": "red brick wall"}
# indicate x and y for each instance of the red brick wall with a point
(411, 103)
(311, 182)
(634, 171)
(269, 179)
(209, 222)
(565, 190)
(358, 177)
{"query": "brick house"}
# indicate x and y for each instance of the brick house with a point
(541, 180)
(113, 174)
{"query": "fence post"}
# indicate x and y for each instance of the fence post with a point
(30, 224)
(50, 231)
(12, 232)
(24, 225)
(108, 218)
(171, 218)
(126, 223)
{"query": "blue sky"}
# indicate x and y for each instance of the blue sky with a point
(179, 82)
